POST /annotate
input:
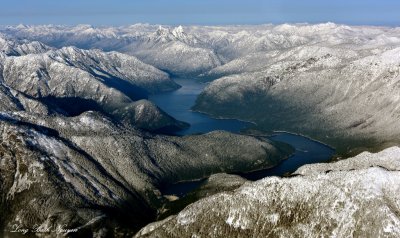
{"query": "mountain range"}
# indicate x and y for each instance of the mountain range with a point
(83, 147)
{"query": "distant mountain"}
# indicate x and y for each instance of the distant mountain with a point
(175, 51)
(78, 144)
(21, 47)
(172, 50)
(165, 35)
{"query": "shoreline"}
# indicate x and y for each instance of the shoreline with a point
(266, 133)
(231, 173)
(249, 129)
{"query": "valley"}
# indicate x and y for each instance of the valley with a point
(179, 131)
(179, 104)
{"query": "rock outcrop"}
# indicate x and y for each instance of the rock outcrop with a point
(89, 174)
(357, 197)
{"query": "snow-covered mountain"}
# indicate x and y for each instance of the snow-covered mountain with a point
(196, 49)
(90, 174)
(345, 97)
(75, 122)
(76, 151)
(71, 81)
(21, 47)
(170, 49)
(175, 51)
(350, 198)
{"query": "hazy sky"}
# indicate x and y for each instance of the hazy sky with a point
(204, 12)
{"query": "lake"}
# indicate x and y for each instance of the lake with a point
(178, 104)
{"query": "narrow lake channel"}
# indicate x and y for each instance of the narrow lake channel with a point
(178, 104)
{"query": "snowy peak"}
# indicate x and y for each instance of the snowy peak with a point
(21, 27)
(164, 35)
(13, 47)
(178, 32)
(90, 79)
(161, 31)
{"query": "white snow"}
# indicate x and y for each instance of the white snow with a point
(335, 204)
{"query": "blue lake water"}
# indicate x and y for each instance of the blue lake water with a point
(178, 104)
(307, 151)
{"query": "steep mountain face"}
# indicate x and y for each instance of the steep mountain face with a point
(12, 100)
(169, 49)
(339, 87)
(75, 153)
(72, 124)
(24, 47)
(49, 183)
(174, 51)
(334, 96)
(86, 173)
(354, 197)
(70, 81)
(116, 65)
(145, 115)
(8, 102)
(97, 64)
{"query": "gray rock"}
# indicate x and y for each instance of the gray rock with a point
(341, 98)
(88, 173)
(70, 81)
(357, 197)
(14, 47)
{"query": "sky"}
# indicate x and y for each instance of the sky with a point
(199, 12)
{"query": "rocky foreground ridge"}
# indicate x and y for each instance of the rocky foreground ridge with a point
(357, 197)
(79, 151)
(79, 147)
